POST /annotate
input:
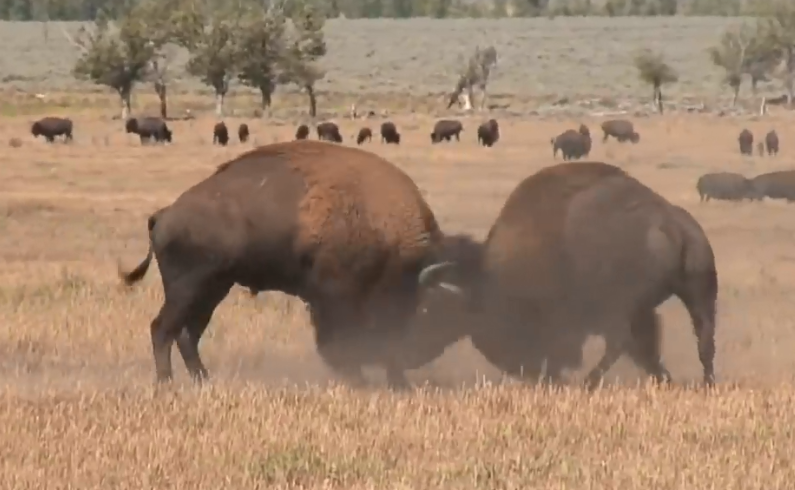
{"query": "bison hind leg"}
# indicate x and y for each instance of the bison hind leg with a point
(646, 350)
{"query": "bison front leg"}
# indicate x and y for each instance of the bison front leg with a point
(337, 326)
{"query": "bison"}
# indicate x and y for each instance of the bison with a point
(365, 134)
(771, 142)
(620, 129)
(572, 144)
(445, 129)
(775, 185)
(389, 133)
(581, 248)
(329, 131)
(746, 141)
(302, 132)
(50, 127)
(726, 186)
(489, 133)
(220, 134)
(242, 133)
(311, 219)
(149, 128)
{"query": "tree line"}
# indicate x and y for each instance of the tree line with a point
(88, 10)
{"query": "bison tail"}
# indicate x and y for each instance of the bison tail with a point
(135, 275)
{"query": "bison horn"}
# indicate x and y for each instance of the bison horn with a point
(427, 274)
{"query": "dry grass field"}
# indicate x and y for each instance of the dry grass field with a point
(77, 405)
(77, 408)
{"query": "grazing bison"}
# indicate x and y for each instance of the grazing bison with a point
(620, 129)
(775, 185)
(489, 133)
(726, 186)
(242, 133)
(220, 134)
(149, 128)
(578, 249)
(389, 133)
(50, 127)
(572, 144)
(329, 131)
(365, 134)
(310, 219)
(771, 141)
(445, 129)
(746, 141)
(302, 132)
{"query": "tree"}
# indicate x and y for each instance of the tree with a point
(730, 55)
(300, 59)
(116, 56)
(653, 70)
(777, 33)
(259, 48)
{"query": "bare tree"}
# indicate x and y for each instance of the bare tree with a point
(653, 70)
(475, 72)
(300, 59)
(730, 55)
(777, 31)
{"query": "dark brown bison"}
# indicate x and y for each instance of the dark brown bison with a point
(50, 127)
(620, 129)
(329, 131)
(572, 144)
(308, 218)
(149, 128)
(365, 134)
(220, 134)
(302, 132)
(771, 142)
(775, 185)
(445, 129)
(746, 141)
(389, 133)
(242, 133)
(578, 249)
(726, 186)
(489, 133)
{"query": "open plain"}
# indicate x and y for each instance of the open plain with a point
(77, 405)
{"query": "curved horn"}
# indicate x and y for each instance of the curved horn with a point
(428, 272)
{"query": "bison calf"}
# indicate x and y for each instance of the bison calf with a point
(771, 141)
(489, 133)
(302, 132)
(725, 186)
(365, 134)
(50, 127)
(572, 144)
(746, 141)
(621, 129)
(445, 129)
(242, 133)
(389, 133)
(329, 131)
(220, 134)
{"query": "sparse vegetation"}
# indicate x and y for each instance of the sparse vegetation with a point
(655, 71)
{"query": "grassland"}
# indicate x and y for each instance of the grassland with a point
(77, 407)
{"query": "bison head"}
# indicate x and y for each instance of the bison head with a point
(456, 268)
(634, 137)
(167, 134)
(35, 129)
(131, 125)
(584, 130)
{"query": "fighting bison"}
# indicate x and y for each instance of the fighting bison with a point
(445, 129)
(726, 186)
(329, 131)
(389, 133)
(581, 248)
(572, 144)
(620, 129)
(365, 134)
(302, 132)
(746, 141)
(242, 133)
(149, 128)
(489, 133)
(50, 127)
(771, 142)
(775, 185)
(310, 219)
(220, 134)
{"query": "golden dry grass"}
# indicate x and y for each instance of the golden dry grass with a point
(77, 409)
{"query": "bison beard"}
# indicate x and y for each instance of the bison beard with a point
(338, 227)
(581, 249)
